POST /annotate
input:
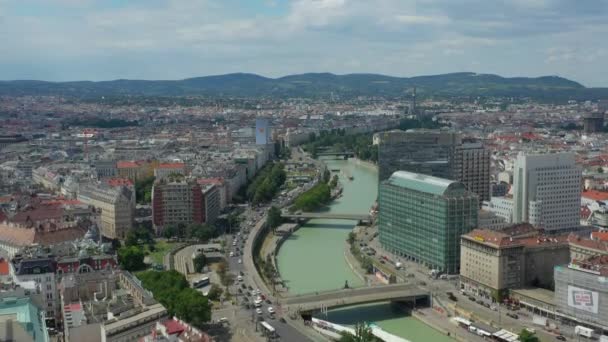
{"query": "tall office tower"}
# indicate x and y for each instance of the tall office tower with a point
(429, 152)
(547, 191)
(593, 122)
(422, 218)
(262, 131)
(472, 168)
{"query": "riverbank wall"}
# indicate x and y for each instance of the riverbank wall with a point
(365, 163)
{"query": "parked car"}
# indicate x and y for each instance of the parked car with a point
(560, 337)
(512, 315)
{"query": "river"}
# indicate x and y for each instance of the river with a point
(312, 259)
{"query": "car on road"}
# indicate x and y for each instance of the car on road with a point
(422, 283)
(270, 310)
(282, 320)
(472, 299)
(512, 315)
(231, 254)
(240, 261)
(560, 338)
(223, 320)
(268, 301)
(259, 311)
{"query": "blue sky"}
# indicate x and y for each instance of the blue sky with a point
(63, 40)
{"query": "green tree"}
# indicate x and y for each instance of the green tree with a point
(334, 182)
(199, 262)
(274, 217)
(143, 190)
(215, 292)
(526, 336)
(202, 232)
(131, 258)
(169, 232)
(172, 290)
(351, 237)
(363, 333)
(326, 176)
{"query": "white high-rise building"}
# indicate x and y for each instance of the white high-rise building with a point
(547, 191)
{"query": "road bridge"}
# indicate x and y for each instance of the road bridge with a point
(345, 154)
(322, 215)
(338, 298)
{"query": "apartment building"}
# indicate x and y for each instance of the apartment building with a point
(165, 169)
(493, 262)
(117, 206)
(37, 275)
(176, 200)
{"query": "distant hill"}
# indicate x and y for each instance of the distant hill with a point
(318, 85)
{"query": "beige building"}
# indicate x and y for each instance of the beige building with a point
(584, 247)
(117, 205)
(492, 262)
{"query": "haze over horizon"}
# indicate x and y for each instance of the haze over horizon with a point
(66, 40)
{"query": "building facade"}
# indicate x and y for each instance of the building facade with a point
(547, 191)
(493, 262)
(581, 291)
(211, 202)
(176, 201)
(472, 168)
(429, 152)
(117, 205)
(422, 217)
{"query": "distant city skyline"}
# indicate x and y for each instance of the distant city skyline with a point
(67, 40)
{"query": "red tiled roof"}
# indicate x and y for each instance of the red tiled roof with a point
(595, 195)
(173, 327)
(73, 307)
(126, 164)
(599, 236)
(117, 181)
(4, 269)
(500, 239)
(210, 181)
(601, 246)
(171, 166)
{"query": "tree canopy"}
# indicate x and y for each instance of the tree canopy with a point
(171, 289)
(527, 336)
(131, 258)
(266, 183)
(318, 196)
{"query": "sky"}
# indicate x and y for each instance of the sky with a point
(62, 40)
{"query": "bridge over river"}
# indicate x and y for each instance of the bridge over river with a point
(325, 215)
(345, 297)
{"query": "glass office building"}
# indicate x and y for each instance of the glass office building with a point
(430, 152)
(422, 218)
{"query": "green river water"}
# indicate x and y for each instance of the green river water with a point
(312, 259)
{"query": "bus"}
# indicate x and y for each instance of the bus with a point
(267, 329)
(201, 282)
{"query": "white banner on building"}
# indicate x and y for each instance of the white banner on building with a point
(583, 299)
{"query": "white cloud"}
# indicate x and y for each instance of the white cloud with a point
(181, 38)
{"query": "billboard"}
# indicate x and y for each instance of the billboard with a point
(583, 299)
(262, 131)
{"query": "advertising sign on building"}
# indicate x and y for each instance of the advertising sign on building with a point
(262, 131)
(583, 299)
